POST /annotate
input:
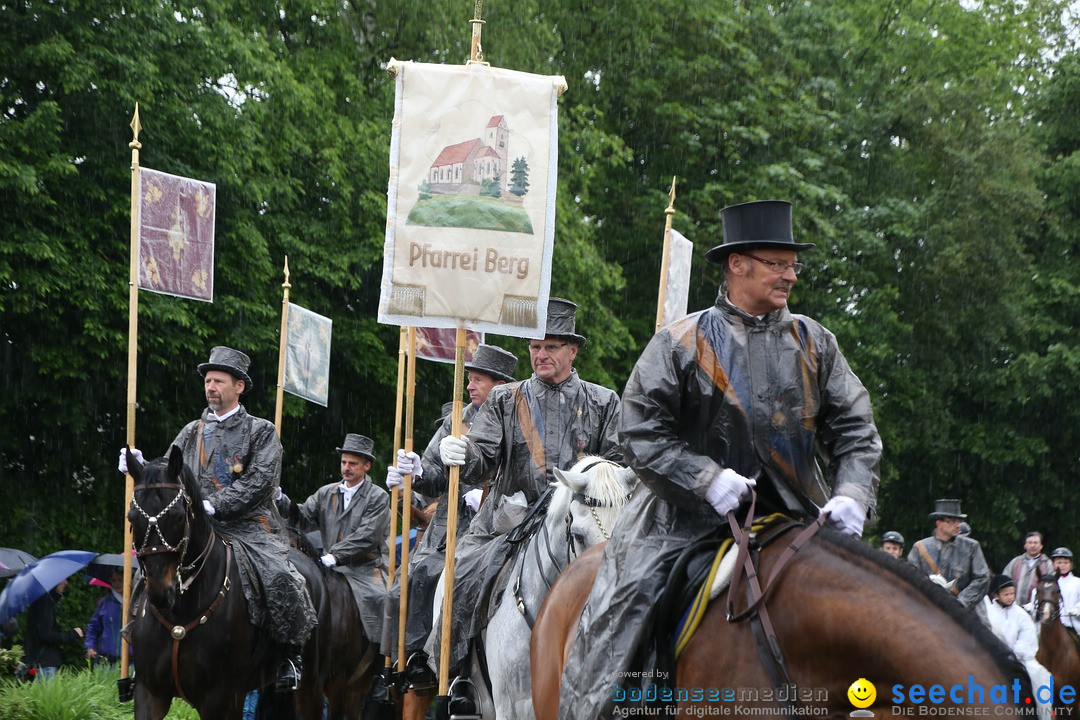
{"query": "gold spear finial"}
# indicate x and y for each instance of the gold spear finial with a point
(286, 284)
(136, 127)
(670, 210)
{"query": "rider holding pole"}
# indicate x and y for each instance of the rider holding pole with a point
(523, 431)
(236, 459)
(490, 367)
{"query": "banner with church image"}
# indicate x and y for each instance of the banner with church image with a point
(471, 204)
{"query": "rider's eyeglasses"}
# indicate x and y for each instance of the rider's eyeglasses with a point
(777, 266)
(549, 348)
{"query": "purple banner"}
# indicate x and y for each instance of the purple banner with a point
(176, 235)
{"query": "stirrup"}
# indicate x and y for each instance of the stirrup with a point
(462, 702)
(419, 675)
(288, 678)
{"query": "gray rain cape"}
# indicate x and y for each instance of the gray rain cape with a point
(428, 558)
(523, 431)
(960, 559)
(238, 466)
(356, 537)
(717, 389)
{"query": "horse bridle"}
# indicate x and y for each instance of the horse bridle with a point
(1054, 615)
(179, 632)
(145, 548)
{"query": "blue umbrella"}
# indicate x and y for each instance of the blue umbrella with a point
(38, 578)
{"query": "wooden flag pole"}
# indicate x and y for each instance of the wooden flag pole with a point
(394, 493)
(453, 500)
(666, 257)
(282, 341)
(406, 497)
(133, 353)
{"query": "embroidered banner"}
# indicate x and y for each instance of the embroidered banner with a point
(438, 344)
(176, 235)
(471, 204)
(680, 258)
(307, 355)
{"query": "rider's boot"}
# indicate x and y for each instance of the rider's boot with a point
(288, 678)
(419, 674)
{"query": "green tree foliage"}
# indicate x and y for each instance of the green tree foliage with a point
(929, 149)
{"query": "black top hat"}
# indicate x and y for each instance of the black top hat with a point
(231, 361)
(947, 508)
(357, 445)
(999, 583)
(562, 321)
(494, 361)
(758, 224)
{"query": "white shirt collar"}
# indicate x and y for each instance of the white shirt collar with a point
(222, 418)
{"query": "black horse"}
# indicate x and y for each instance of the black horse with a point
(191, 635)
(340, 660)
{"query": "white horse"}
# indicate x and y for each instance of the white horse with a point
(581, 513)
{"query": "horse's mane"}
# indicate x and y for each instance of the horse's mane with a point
(604, 486)
(919, 582)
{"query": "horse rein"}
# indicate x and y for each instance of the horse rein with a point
(772, 657)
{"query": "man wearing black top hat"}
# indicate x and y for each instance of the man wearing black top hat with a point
(523, 431)
(236, 459)
(953, 561)
(353, 517)
(745, 394)
(489, 367)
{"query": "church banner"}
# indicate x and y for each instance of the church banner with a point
(176, 235)
(680, 257)
(471, 203)
(307, 355)
(439, 344)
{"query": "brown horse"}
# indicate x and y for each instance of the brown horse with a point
(1058, 651)
(191, 634)
(841, 612)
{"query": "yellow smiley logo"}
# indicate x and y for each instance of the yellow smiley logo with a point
(862, 693)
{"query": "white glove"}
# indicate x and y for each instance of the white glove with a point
(328, 560)
(1075, 612)
(122, 465)
(208, 508)
(393, 477)
(728, 490)
(452, 450)
(408, 463)
(278, 494)
(846, 515)
(473, 497)
(940, 580)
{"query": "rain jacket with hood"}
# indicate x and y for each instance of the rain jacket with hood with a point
(717, 389)
(428, 558)
(522, 432)
(356, 537)
(237, 462)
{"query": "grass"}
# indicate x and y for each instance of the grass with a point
(470, 211)
(73, 695)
